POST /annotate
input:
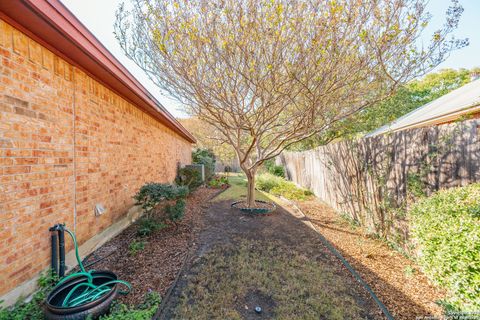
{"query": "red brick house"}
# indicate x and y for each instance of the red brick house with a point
(76, 130)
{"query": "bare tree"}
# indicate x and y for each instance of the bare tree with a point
(269, 73)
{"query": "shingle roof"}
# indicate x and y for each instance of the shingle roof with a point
(449, 107)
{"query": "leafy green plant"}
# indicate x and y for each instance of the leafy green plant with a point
(278, 171)
(190, 177)
(144, 311)
(149, 225)
(272, 168)
(446, 229)
(136, 246)
(281, 187)
(214, 183)
(267, 182)
(32, 309)
(218, 182)
(151, 194)
(175, 212)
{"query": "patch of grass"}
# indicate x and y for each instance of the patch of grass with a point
(295, 285)
(136, 246)
(238, 189)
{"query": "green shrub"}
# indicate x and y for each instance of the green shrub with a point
(149, 225)
(32, 309)
(267, 182)
(271, 167)
(190, 177)
(278, 171)
(136, 246)
(177, 211)
(151, 194)
(280, 187)
(144, 311)
(446, 230)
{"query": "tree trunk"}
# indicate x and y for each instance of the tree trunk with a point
(250, 189)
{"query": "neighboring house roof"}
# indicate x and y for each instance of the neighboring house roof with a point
(51, 24)
(462, 101)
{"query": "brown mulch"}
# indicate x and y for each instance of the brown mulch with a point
(155, 267)
(397, 280)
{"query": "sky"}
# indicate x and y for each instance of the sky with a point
(99, 16)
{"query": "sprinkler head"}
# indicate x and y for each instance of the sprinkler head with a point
(258, 309)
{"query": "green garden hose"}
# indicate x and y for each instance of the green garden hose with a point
(90, 291)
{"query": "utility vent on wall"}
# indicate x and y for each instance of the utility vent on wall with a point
(99, 209)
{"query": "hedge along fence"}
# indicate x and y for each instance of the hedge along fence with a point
(374, 179)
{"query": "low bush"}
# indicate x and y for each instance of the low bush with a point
(280, 187)
(190, 177)
(175, 212)
(446, 231)
(151, 194)
(267, 182)
(272, 168)
(149, 225)
(278, 171)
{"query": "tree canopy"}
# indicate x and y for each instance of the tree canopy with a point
(408, 97)
(269, 73)
(208, 137)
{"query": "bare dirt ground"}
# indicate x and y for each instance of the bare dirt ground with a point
(274, 261)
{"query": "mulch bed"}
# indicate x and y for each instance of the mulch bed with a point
(396, 280)
(155, 267)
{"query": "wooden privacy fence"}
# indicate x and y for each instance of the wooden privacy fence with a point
(373, 179)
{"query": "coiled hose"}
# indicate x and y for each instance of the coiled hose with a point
(90, 291)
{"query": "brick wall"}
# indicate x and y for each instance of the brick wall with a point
(56, 121)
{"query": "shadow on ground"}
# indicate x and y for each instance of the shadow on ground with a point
(238, 235)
